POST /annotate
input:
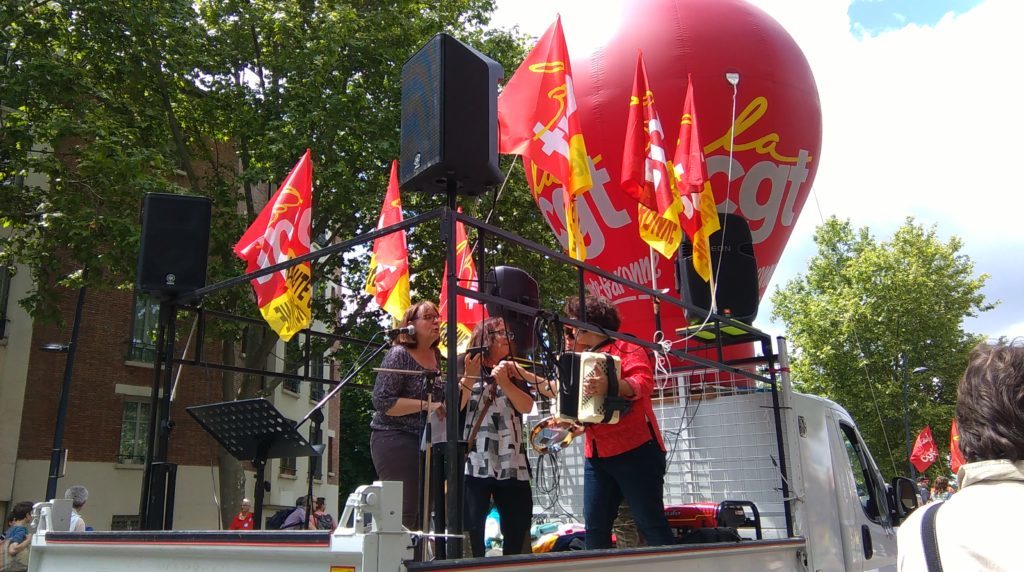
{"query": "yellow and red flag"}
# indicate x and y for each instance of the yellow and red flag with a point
(646, 173)
(281, 233)
(956, 456)
(700, 215)
(388, 280)
(538, 119)
(468, 311)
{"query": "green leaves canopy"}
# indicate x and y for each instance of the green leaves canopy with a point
(861, 304)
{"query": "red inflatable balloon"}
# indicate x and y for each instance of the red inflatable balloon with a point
(765, 174)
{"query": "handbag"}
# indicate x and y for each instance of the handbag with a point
(16, 563)
(928, 539)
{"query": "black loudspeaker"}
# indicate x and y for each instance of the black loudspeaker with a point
(175, 242)
(734, 271)
(515, 285)
(449, 119)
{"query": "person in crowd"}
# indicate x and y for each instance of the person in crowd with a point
(496, 393)
(322, 519)
(402, 404)
(242, 520)
(626, 460)
(17, 539)
(78, 495)
(923, 489)
(975, 528)
(297, 517)
(941, 491)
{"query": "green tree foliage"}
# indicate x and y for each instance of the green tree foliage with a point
(861, 304)
(105, 100)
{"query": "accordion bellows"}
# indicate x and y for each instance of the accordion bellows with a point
(573, 369)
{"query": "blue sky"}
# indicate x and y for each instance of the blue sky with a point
(875, 16)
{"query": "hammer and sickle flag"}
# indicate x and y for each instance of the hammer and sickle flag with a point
(281, 233)
(388, 280)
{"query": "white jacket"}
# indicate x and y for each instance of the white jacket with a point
(978, 528)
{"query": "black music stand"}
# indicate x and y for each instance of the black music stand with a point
(253, 430)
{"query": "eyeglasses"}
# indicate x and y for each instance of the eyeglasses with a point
(510, 336)
(430, 317)
(569, 333)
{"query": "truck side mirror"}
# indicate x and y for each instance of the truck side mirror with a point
(904, 500)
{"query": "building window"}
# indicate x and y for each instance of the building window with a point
(316, 371)
(288, 466)
(134, 431)
(125, 522)
(145, 320)
(5, 291)
(317, 438)
(292, 385)
(330, 456)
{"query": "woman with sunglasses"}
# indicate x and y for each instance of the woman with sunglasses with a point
(496, 393)
(624, 461)
(402, 404)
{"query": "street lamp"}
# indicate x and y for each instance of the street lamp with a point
(62, 407)
(906, 412)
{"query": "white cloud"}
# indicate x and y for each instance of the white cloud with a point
(920, 121)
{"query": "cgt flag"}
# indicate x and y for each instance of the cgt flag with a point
(925, 453)
(646, 174)
(700, 215)
(281, 233)
(537, 119)
(468, 311)
(956, 456)
(388, 280)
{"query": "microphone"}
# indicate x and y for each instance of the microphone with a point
(407, 330)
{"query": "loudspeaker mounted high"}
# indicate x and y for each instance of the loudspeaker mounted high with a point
(734, 271)
(174, 246)
(449, 119)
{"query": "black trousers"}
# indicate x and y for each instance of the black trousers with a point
(515, 506)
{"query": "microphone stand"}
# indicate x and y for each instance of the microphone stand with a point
(355, 370)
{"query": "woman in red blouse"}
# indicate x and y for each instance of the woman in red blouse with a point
(625, 460)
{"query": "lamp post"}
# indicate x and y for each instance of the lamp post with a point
(62, 407)
(906, 412)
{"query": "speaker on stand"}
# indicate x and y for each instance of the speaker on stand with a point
(515, 285)
(174, 246)
(734, 271)
(449, 119)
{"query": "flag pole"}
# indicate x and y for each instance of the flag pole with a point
(655, 301)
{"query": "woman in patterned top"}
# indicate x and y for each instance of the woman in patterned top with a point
(401, 403)
(500, 391)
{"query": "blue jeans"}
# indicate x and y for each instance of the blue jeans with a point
(639, 477)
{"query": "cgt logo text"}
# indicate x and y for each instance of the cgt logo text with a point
(767, 195)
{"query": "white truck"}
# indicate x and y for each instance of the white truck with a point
(839, 514)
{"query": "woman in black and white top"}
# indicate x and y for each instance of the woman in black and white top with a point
(401, 401)
(496, 392)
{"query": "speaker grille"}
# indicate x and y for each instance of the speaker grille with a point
(449, 119)
(734, 270)
(174, 246)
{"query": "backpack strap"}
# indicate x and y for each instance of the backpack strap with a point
(928, 539)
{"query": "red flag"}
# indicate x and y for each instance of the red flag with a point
(537, 119)
(956, 456)
(468, 311)
(388, 280)
(700, 215)
(281, 233)
(646, 173)
(925, 452)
